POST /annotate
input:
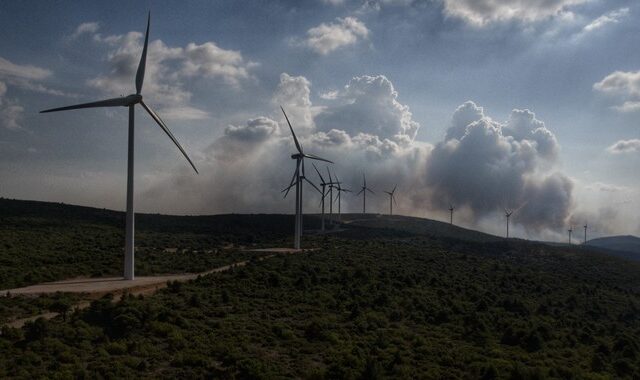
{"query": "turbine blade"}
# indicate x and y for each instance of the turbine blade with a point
(394, 188)
(143, 60)
(371, 191)
(394, 200)
(295, 139)
(314, 157)
(168, 132)
(313, 185)
(293, 180)
(115, 102)
(359, 192)
(318, 171)
(364, 180)
(330, 179)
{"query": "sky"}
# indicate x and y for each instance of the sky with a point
(487, 105)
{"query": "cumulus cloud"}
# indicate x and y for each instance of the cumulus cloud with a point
(485, 166)
(370, 103)
(481, 166)
(623, 85)
(482, 12)
(168, 71)
(85, 28)
(256, 155)
(326, 38)
(625, 146)
(612, 17)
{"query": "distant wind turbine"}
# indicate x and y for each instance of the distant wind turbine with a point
(130, 102)
(332, 185)
(340, 191)
(364, 193)
(585, 233)
(508, 213)
(392, 199)
(570, 231)
(297, 181)
(323, 186)
(451, 208)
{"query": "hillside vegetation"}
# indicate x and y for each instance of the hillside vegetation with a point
(370, 303)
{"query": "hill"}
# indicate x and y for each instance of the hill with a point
(624, 246)
(371, 302)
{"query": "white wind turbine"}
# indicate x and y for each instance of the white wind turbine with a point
(508, 213)
(340, 190)
(451, 208)
(392, 199)
(297, 179)
(363, 191)
(130, 102)
(323, 186)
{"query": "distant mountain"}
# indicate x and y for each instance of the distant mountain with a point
(624, 246)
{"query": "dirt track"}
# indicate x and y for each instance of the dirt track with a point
(97, 287)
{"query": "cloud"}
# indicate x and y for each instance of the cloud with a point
(294, 95)
(612, 17)
(245, 169)
(370, 104)
(483, 12)
(11, 69)
(326, 38)
(624, 85)
(485, 166)
(85, 28)
(625, 146)
(10, 111)
(169, 71)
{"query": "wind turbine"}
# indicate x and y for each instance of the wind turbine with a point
(297, 180)
(130, 102)
(340, 191)
(323, 186)
(451, 208)
(331, 187)
(585, 233)
(570, 231)
(508, 213)
(364, 193)
(392, 199)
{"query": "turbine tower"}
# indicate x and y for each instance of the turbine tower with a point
(331, 187)
(570, 231)
(297, 181)
(392, 199)
(508, 213)
(323, 186)
(340, 191)
(130, 102)
(451, 208)
(364, 193)
(585, 233)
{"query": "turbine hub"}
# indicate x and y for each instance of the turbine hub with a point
(133, 99)
(296, 156)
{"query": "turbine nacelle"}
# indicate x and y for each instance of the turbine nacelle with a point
(132, 99)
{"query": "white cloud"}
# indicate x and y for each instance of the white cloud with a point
(10, 111)
(169, 71)
(370, 104)
(485, 166)
(10, 69)
(625, 146)
(85, 28)
(624, 85)
(326, 38)
(612, 17)
(482, 12)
